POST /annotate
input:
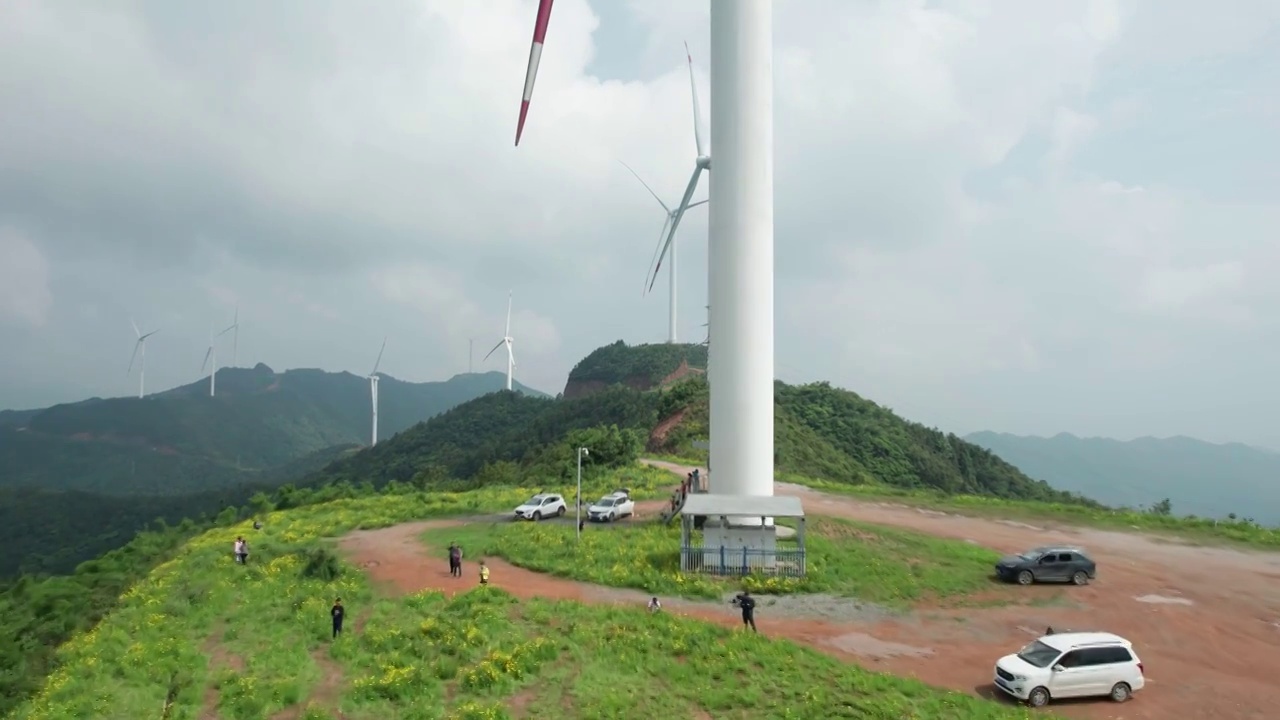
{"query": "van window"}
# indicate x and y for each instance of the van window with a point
(1065, 557)
(1104, 656)
(1075, 658)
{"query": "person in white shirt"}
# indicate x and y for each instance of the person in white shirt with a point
(654, 605)
(240, 550)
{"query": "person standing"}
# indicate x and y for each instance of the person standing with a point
(748, 605)
(654, 605)
(338, 613)
(455, 560)
(484, 573)
(239, 549)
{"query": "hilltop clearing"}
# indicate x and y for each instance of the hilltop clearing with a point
(203, 637)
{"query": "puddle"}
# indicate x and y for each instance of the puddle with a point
(875, 648)
(1163, 600)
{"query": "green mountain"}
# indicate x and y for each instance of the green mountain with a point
(82, 478)
(1197, 477)
(821, 431)
(181, 440)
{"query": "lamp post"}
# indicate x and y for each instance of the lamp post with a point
(578, 511)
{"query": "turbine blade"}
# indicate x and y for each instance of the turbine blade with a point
(700, 202)
(379, 360)
(646, 187)
(153, 332)
(495, 349)
(697, 110)
(207, 353)
(662, 234)
(535, 56)
(508, 332)
(136, 331)
(511, 353)
(136, 345)
(675, 222)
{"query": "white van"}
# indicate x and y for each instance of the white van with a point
(1071, 665)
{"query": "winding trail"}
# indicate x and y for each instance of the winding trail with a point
(1207, 625)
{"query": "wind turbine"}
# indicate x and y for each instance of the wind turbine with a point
(701, 162)
(740, 241)
(210, 355)
(671, 216)
(140, 347)
(508, 341)
(373, 390)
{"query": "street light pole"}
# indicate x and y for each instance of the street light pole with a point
(578, 510)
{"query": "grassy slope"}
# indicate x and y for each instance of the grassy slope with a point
(259, 635)
(878, 564)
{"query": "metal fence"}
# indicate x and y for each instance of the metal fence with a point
(742, 561)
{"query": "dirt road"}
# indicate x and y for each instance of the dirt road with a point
(1206, 621)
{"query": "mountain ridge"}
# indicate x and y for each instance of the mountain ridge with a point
(1197, 477)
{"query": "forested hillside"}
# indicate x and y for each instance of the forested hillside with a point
(81, 478)
(820, 431)
(183, 441)
(640, 367)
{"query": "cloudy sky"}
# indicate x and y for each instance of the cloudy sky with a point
(1027, 217)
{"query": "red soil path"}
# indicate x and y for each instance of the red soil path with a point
(1215, 658)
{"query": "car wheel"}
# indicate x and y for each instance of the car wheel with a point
(1026, 578)
(560, 512)
(1038, 697)
(1080, 578)
(537, 515)
(612, 517)
(1121, 692)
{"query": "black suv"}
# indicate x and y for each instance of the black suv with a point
(1052, 564)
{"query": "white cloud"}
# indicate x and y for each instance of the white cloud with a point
(982, 205)
(24, 280)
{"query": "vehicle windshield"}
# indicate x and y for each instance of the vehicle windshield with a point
(535, 500)
(1033, 554)
(605, 502)
(1038, 654)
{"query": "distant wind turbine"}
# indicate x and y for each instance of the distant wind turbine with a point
(508, 341)
(211, 356)
(662, 234)
(140, 353)
(700, 163)
(373, 391)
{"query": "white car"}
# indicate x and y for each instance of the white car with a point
(1071, 665)
(540, 506)
(611, 507)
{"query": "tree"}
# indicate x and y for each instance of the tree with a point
(1164, 507)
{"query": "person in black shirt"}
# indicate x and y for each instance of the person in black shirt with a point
(337, 612)
(748, 605)
(455, 560)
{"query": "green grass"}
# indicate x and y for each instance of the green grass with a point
(258, 636)
(1196, 529)
(878, 564)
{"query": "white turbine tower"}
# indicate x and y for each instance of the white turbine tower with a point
(373, 391)
(140, 353)
(701, 162)
(508, 341)
(740, 241)
(662, 234)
